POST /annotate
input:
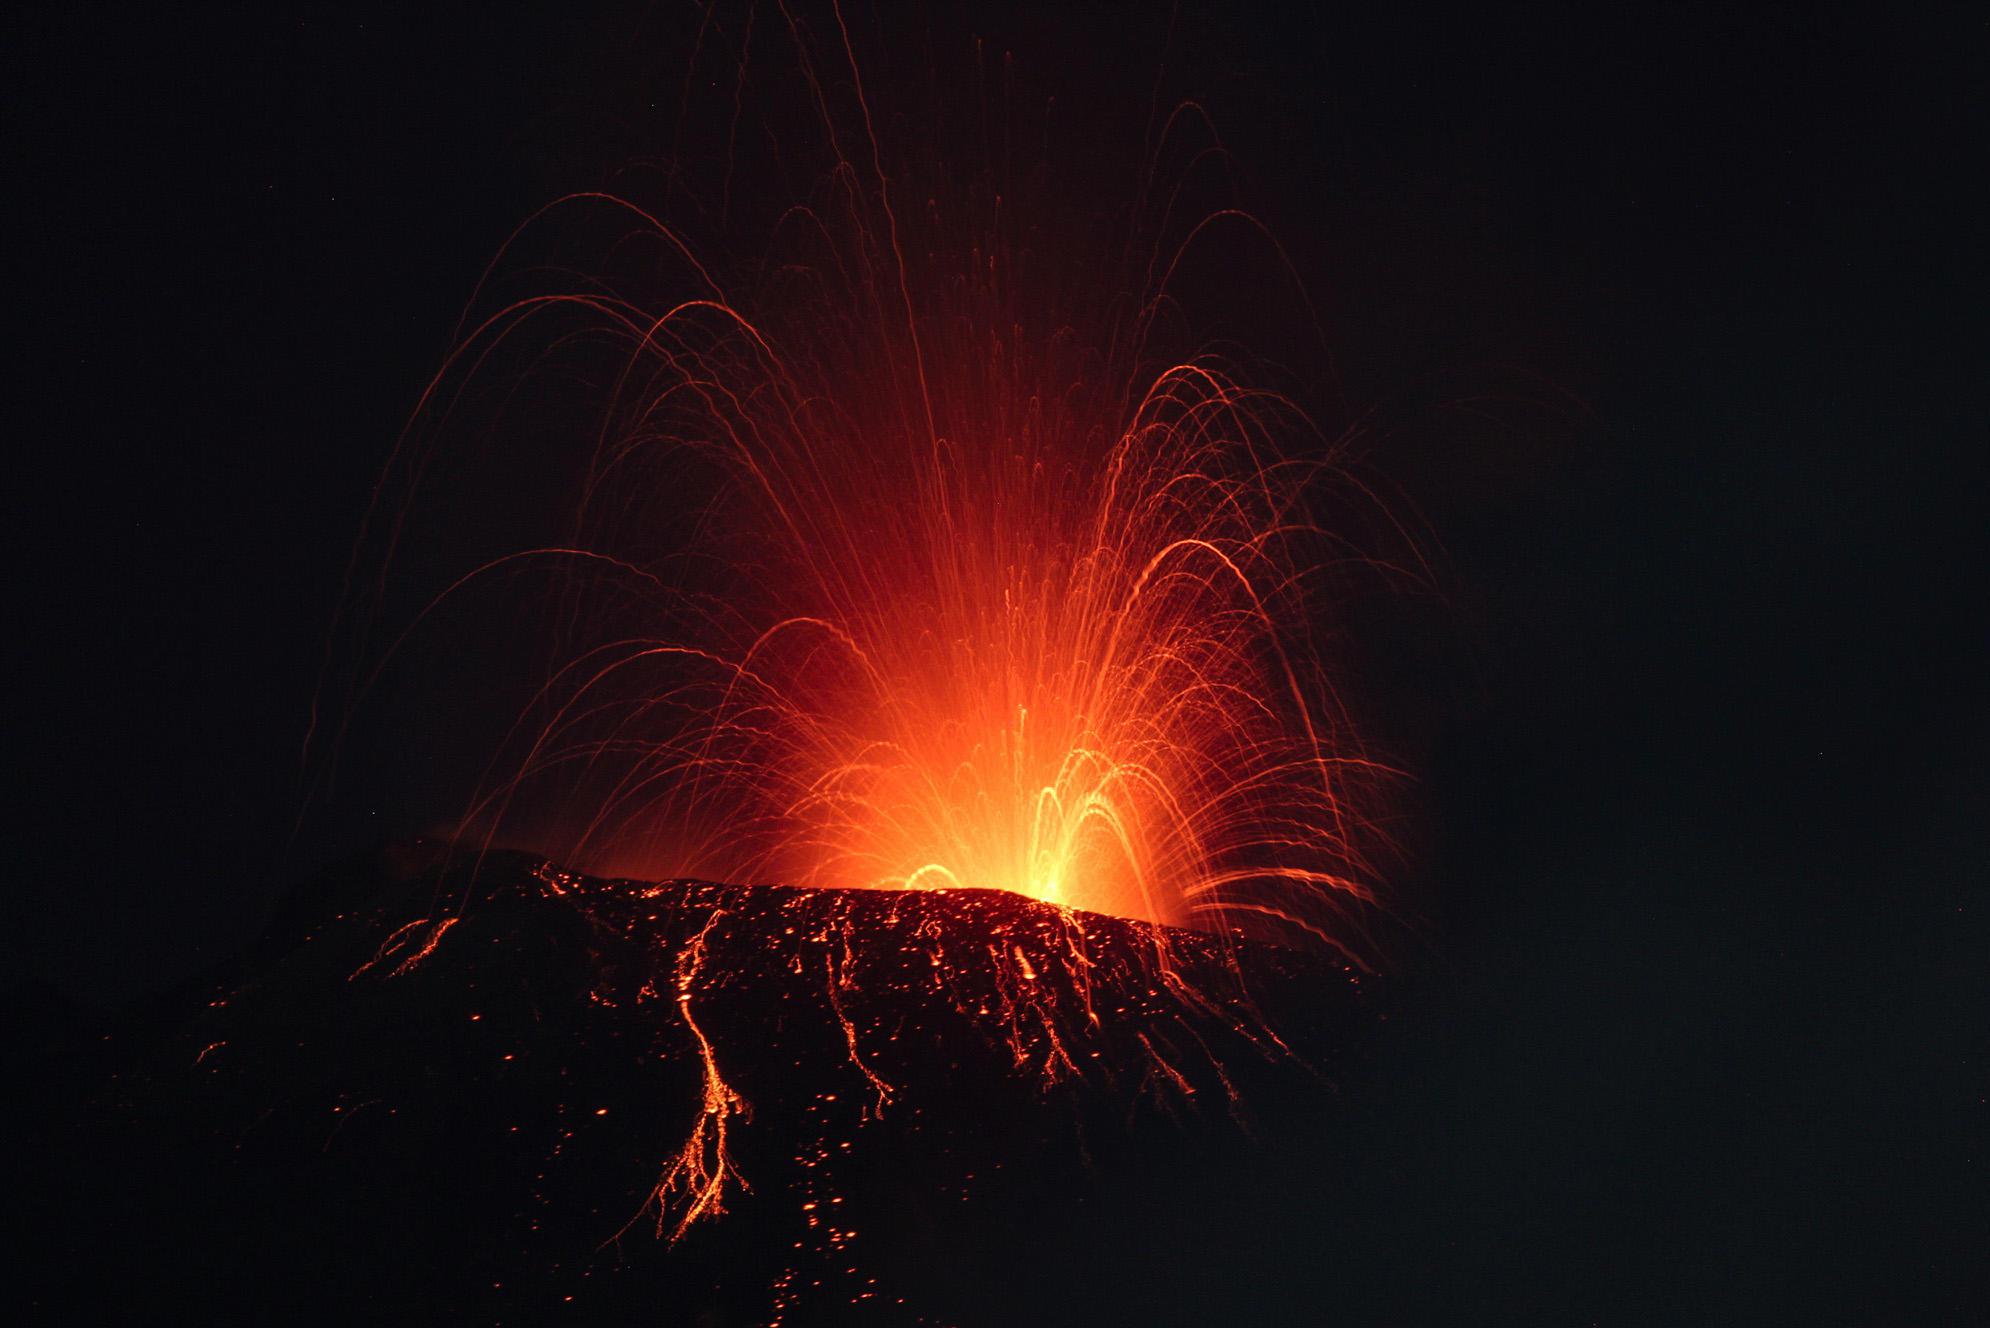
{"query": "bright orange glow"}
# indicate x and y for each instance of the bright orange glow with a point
(1057, 655)
(1059, 646)
(930, 556)
(910, 569)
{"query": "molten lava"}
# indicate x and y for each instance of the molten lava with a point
(1080, 678)
(487, 1107)
(916, 563)
(921, 553)
(980, 606)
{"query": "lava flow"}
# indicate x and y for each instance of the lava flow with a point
(918, 568)
(879, 1090)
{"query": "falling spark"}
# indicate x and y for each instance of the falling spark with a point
(905, 570)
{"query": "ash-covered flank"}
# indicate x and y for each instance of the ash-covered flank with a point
(502, 1091)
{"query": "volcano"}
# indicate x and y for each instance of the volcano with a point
(481, 1086)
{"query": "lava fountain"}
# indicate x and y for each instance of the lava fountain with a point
(915, 556)
(966, 600)
(1042, 652)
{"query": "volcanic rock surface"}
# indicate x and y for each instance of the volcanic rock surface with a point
(489, 1089)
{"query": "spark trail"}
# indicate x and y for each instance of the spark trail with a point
(1066, 644)
(914, 568)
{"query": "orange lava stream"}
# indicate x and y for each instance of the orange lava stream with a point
(694, 1182)
(901, 570)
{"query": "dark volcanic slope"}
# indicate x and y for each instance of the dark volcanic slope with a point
(503, 1091)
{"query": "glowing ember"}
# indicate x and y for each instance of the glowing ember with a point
(1034, 983)
(502, 1110)
(903, 574)
(885, 577)
(1007, 664)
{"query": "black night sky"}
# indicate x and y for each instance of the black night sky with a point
(1675, 321)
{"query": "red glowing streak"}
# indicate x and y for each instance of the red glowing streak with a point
(702, 1167)
(994, 609)
(1049, 654)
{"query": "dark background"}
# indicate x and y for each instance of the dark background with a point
(1674, 315)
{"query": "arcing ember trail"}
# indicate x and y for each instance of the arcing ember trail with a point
(926, 564)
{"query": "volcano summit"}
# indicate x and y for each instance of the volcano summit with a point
(495, 1088)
